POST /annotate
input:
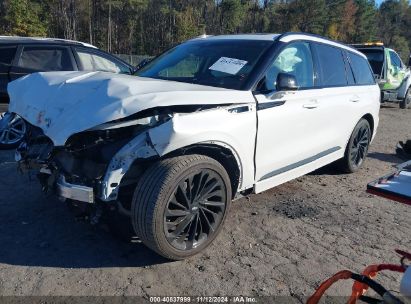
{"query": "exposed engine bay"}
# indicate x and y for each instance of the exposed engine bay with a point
(82, 170)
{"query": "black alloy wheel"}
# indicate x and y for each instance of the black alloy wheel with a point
(195, 209)
(180, 204)
(357, 147)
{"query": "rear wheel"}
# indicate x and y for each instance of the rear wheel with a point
(180, 205)
(406, 102)
(12, 130)
(357, 147)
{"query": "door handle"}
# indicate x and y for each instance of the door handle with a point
(355, 98)
(312, 105)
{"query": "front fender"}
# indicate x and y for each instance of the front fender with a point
(221, 127)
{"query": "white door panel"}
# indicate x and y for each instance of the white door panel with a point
(339, 114)
(291, 132)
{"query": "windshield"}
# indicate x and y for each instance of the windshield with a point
(219, 63)
(376, 59)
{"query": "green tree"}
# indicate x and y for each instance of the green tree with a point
(22, 18)
(231, 15)
(391, 16)
(308, 16)
(400, 44)
(365, 21)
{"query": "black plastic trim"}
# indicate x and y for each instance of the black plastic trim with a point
(269, 105)
(300, 163)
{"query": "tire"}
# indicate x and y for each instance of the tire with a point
(406, 102)
(357, 147)
(165, 217)
(13, 132)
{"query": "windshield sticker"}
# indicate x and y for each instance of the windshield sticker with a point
(228, 65)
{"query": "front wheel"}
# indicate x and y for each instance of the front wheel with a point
(357, 147)
(405, 103)
(12, 130)
(180, 204)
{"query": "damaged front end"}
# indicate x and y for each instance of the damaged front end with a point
(93, 147)
(77, 170)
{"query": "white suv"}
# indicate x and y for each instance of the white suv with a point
(206, 122)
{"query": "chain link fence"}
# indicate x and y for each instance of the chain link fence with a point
(132, 59)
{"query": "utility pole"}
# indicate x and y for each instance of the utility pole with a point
(109, 28)
(90, 27)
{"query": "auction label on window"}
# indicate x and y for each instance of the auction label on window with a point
(228, 65)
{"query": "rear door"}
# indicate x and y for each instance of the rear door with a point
(42, 58)
(337, 98)
(365, 89)
(7, 54)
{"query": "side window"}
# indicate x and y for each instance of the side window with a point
(295, 59)
(94, 62)
(45, 59)
(395, 60)
(7, 54)
(362, 71)
(332, 67)
(349, 71)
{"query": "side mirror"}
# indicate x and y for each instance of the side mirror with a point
(143, 63)
(286, 82)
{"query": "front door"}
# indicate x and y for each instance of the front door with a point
(396, 71)
(288, 135)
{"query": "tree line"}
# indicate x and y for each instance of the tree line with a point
(151, 26)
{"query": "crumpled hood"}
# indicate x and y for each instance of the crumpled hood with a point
(65, 103)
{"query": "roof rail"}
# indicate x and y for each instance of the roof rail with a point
(48, 39)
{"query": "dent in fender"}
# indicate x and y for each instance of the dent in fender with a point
(155, 142)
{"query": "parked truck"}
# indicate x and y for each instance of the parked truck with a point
(392, 75)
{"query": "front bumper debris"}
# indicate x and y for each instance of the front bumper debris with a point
(74, 192)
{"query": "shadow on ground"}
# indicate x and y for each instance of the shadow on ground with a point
(386, 157)
(331, 169)
(36, 230)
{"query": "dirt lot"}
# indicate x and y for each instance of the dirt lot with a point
(281, 242)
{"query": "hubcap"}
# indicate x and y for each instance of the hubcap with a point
(408, 97)
(195, 209)
(360, 146)
(12, 129)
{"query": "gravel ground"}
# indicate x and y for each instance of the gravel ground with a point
(282, 242)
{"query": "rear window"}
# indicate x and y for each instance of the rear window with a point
(45, 59)
(361, 69)
(375, 58)
(7, 54)
(332, 66)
